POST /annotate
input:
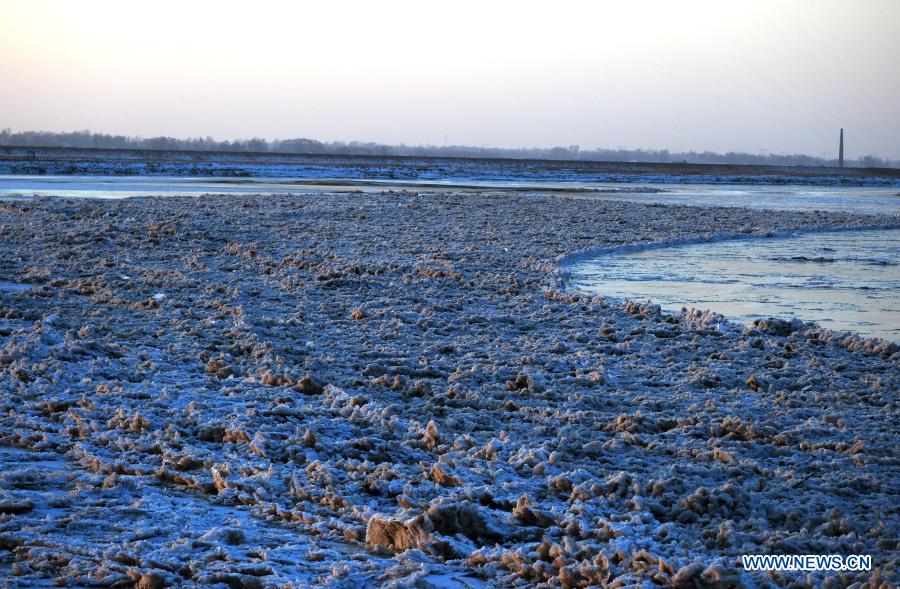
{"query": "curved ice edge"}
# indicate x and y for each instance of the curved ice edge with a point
(562, 275)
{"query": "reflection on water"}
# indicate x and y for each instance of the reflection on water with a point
(873, 200)
(865, 200)
(843, 280)
(113, 187)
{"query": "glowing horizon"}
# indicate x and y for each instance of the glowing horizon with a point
(749, 76)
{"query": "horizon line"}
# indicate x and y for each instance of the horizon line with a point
(271, 145)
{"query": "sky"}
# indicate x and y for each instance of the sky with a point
(776, 76)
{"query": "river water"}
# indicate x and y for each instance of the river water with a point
(843, 280)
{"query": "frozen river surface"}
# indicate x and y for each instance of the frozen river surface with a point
(843, 280)
(867, 200)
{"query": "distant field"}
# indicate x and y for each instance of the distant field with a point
(65, 161)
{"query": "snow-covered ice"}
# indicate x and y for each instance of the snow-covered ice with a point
(395, 388)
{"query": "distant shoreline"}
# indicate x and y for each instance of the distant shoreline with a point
(142, 162)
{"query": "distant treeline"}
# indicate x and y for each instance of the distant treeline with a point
(87, 139)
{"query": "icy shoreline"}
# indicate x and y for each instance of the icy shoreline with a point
(569, 275)
(405, 376)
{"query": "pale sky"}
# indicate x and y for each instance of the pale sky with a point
(779, 75)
